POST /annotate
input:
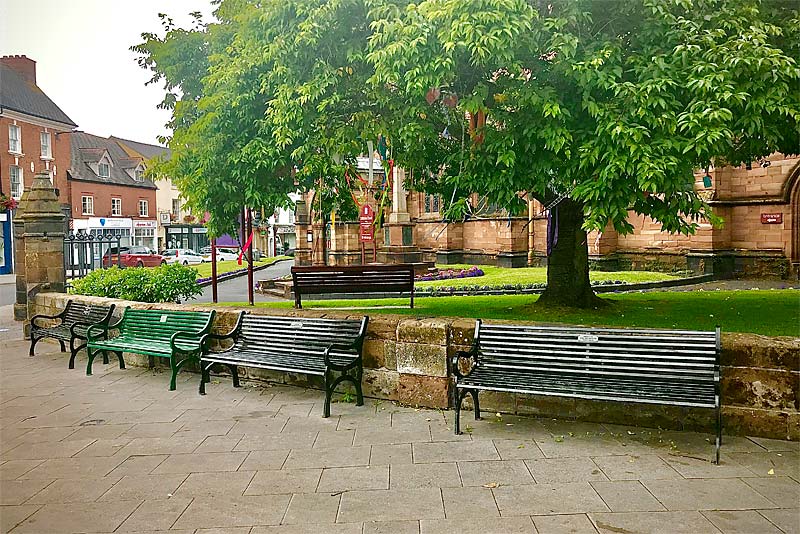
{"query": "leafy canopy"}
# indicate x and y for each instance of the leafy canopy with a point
(613, 102)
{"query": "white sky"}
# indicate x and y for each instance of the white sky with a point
(82, 59)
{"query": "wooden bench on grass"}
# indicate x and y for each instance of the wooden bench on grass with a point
(321, 347)
(73, 322)
(179, 336)
(668, 367)
(326, 280)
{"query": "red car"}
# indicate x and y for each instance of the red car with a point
(131, 257)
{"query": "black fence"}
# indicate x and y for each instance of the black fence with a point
(84, 253)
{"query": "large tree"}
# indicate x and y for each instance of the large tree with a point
(594, 108)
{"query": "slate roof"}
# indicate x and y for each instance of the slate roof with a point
(87, 149)
(17, 94)
(145, 150)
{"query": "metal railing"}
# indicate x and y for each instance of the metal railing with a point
(83, 253)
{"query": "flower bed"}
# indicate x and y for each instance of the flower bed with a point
(448, 274)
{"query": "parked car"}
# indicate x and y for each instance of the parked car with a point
(134, 256)
(184, 256)
(223, 254)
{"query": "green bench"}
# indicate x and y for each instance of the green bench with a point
(177, 335)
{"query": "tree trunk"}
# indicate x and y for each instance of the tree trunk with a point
(568, 260)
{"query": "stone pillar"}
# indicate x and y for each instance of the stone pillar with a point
(400, 247)
(39, 245)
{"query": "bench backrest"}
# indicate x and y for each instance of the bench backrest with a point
(161, 324)
(309, 280)
(79, 312)
(607, 353)
(294, 335)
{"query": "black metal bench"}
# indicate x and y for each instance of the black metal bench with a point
(322, 280)
(669, 367)
(293, 344)
(73, 322)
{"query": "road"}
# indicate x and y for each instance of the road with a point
(235, 290)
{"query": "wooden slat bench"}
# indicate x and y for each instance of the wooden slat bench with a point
(293, 344)
(325, 280)
(669, 367)
(179, 336)
(72, 324)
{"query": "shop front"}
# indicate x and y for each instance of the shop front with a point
(144, 234)
(189, 236)
(117, 226)
(6, 262)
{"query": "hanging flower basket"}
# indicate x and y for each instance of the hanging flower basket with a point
(189, 219)
(7, 203)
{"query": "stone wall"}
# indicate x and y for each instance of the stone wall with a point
(406, 360)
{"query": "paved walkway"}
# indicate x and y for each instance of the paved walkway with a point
(235, 290)
(118, 452)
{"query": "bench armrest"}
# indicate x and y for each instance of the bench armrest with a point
(472, 355)
(102, 323)
(192, 337)
(233, 332)
(100, 328)
(341, 346)
(59, 315)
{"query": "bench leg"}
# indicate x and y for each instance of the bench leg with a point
(105, 357)
(476, 405)
(359, 394)
(326, 409)
(34, 341)
(90, 354)
(205, 371)
(459, 398)
(73, 351)
(234, 374)
(718, 442)
(63, 347)
(119, 357)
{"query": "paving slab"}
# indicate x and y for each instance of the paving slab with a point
(541, 499)
(741, 522)
(707, 494)
(653, 523)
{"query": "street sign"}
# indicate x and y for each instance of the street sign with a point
(367, 215)
(366, 234)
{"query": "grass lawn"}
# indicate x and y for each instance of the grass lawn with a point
(766, 312)
(204, 269)
(498, 276)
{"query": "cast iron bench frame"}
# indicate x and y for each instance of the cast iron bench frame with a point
(75, 319)
(667, 367)
(306, 345)
(139, 325)
(322, 280)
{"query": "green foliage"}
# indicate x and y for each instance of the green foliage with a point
(735, 311)
(615, 102)
(167, 283)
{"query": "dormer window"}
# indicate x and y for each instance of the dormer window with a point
(138, 174)
(103, 170)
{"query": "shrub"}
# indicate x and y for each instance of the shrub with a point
(167, 283)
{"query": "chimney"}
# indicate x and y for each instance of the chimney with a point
(23, 66)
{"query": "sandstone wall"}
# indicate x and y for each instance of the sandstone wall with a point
(406, 360)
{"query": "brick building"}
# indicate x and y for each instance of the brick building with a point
(760, 204)
(109, 193)
(34, 137)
